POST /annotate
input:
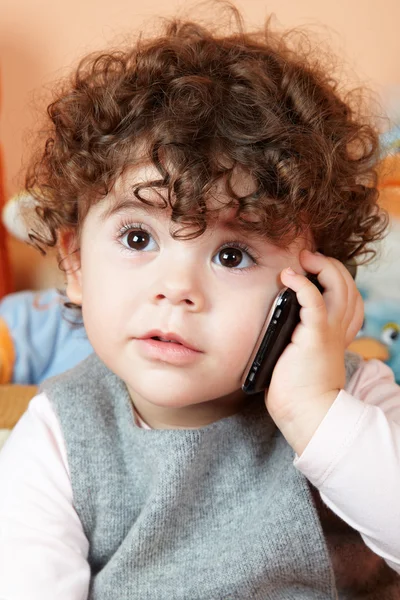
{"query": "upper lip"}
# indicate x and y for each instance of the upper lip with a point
(169, 336)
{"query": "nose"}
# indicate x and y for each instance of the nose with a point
(180, 283)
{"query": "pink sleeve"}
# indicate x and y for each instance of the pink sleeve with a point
(43, 550)
(354, 459)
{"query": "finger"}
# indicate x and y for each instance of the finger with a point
(313, 309)
(331, 277)
(354, 307)
(356, 322)
(350, 307)
(353, 295)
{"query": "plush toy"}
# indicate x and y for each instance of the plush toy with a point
(12, 218)
(379, 283)
(39, 336)
(380, 334)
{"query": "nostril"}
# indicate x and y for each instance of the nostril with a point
(175, 300)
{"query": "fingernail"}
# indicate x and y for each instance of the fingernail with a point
(318, 253)
(290, 271)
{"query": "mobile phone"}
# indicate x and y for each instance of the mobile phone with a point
(275, 335)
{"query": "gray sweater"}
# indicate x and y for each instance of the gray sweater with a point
(215, 513)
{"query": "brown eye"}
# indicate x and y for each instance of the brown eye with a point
(233, 257)
(230, 257)
(139, 240)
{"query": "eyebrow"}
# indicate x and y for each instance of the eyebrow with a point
(126, 204)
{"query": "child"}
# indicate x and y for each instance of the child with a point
(185, 181)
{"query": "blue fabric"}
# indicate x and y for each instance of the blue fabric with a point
(45, 340)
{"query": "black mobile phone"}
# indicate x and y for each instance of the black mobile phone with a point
(275, 335)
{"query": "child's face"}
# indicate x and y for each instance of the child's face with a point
(136, 282)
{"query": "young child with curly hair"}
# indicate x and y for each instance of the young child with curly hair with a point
(185, 180)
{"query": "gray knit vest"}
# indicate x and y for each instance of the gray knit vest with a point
(215, 513)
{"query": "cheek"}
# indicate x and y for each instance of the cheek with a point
(240, 326)
(100, 297)
(102, 280)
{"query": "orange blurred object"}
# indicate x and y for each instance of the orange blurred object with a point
(389, 184)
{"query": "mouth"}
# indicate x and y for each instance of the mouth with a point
(169, 338)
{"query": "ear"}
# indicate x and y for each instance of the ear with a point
(70, 263)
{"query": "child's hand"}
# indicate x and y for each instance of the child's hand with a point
(311, 371)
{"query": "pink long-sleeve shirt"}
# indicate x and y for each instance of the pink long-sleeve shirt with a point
(353, 459)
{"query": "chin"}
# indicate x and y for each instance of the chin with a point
(165, 398)
(173, 394)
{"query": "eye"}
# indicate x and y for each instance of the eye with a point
(135, 237)
(390, 333)
(234, 257)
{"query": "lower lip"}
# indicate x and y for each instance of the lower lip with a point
(169, 352)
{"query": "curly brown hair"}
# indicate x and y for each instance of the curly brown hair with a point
(206, 104)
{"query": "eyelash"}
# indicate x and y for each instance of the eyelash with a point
(126, 226)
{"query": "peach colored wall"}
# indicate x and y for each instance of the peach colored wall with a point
(40, 40)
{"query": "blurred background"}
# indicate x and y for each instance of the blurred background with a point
(40, 41)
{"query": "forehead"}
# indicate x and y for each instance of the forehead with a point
(219, 203)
